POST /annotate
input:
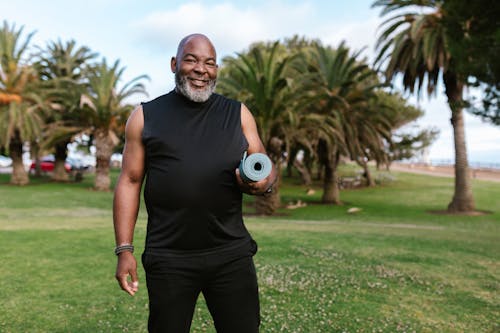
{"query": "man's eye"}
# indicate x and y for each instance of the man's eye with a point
(211, 64)
(191, 61)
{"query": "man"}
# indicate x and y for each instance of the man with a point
(188, 144)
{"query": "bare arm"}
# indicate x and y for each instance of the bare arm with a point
(127, 198)
(254, 146)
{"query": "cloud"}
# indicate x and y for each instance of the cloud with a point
(231, 28)
(360, 34)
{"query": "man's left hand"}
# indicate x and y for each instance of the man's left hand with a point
(254, 188)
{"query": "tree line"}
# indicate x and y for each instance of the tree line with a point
(54, 94)
(325, 102)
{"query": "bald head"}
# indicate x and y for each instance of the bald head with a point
(189, 38)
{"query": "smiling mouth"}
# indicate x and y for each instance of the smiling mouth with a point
(198, 82)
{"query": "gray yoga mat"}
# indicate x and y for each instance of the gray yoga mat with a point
(255, 167)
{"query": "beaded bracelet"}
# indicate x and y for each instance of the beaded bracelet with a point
(124, 247)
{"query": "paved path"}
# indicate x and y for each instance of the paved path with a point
(445, 171)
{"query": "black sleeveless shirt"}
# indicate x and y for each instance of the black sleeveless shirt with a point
(192, 151)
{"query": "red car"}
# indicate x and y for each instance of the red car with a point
(48, 166)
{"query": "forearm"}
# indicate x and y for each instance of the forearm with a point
(125, 210)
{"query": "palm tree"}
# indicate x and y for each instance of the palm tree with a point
(368, 135)
(105, 112)
(62, 69)
(415, 44)
(340, 84)
(305, 128)
(259, 79)
(20, 104)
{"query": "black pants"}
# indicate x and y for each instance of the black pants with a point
(230, 290)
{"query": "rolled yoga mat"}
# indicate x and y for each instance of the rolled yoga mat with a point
(255, 167)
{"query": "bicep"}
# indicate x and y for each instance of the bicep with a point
(250, 131)
(133, 151)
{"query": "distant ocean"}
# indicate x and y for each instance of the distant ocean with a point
(472, 164)
(441, 153)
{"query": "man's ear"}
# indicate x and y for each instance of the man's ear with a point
(173, 64)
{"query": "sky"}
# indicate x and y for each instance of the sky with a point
(144, 35)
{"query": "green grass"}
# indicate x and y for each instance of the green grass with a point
(393, 267)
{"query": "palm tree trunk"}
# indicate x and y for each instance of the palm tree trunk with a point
(290, 162)
(331, 191)
(267, 204)
(35, 157)
(463, 200)
(320, 172)
(104, 149)
(305, 176)
(309, 162)
(60, 173)
(370, 182)
(19, 175)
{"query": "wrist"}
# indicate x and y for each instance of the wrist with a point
(270, 187)
(268, 191)
(124, 248)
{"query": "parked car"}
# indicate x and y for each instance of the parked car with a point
(47, 165)
(5, 161)
(76, 164)
(88, 162)
(116, 160)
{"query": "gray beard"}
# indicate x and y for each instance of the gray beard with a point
(198, 96)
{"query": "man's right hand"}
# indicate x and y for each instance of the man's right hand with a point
(127, 266)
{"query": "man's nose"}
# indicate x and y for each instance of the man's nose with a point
(200, 67)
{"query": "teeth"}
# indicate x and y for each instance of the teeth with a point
(199, 82)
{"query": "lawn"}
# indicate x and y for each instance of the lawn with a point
(392, 267)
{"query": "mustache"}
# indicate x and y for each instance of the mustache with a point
(198, 79)
(182, 86)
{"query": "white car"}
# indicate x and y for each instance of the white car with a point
(5, 161)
